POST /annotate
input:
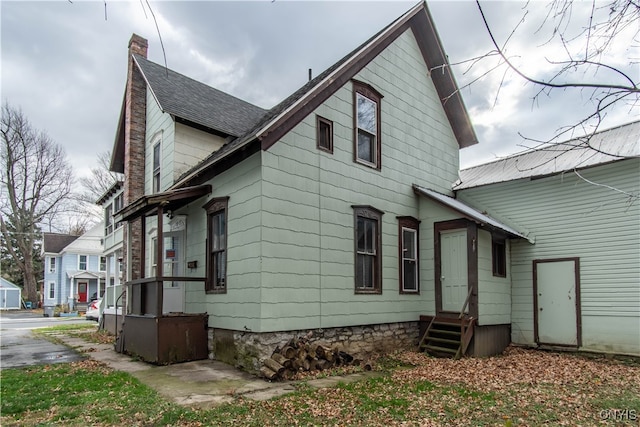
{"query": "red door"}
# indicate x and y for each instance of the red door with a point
(82, 292)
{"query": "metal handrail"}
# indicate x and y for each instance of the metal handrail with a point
(116, 306)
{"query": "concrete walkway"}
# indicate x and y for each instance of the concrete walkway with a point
(201, 383)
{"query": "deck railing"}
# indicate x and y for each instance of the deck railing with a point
(147, 294)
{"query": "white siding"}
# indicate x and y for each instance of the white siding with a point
(572, 218)
(158, 124)
(192, 146)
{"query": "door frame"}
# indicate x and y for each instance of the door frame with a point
(576, 263)
(472, 264)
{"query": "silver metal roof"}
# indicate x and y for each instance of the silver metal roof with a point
(608, 146)
(467, 211)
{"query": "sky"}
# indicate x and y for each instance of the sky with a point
(64, 64)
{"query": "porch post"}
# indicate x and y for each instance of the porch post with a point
(159, 263)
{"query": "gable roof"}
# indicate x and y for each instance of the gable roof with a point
(607, 146)
(54, 242)
(283, 117)
(196, 102)
(5, 284)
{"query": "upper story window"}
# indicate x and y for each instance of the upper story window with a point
(118, 202)
(83, 262)
(108, 220)
(103, 263)
(367, 144)
(156, 168)
(499, 256)
(52, 265)
(408, 250)
(324, 137)
(368, 249)
(216, 281)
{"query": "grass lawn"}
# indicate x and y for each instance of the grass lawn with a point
(522, 387)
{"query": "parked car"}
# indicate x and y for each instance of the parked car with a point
(93, 310)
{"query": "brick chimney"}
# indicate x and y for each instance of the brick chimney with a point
(134, 148)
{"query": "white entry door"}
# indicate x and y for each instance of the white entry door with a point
(556, 291)
(174, 265)
(454, 278)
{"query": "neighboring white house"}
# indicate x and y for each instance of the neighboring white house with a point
(578, 285)
(10, 295)
(113, 299)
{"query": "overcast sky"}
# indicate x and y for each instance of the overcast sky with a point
(65, 65)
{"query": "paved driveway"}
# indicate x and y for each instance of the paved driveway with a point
(19, 348)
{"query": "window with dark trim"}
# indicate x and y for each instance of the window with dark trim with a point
(216, 281)
(366, 117)
(368, 249)
(499, 257)
(324, 129)
(408, 255)
(156, 168)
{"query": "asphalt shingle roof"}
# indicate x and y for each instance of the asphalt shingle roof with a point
(55, 243)
(198, 103)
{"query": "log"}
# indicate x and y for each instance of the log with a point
(289, 352)
(346, 357)
(274, 366)
(268, 373)
(321, 351)
(323, 364)
(281, 360)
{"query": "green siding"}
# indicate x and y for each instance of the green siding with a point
(307, 217)
(572, 218)
(494, 293)
(240, 307)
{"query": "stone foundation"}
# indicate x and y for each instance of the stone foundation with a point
(248, 350)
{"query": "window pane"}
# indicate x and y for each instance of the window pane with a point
(219, 259)
(364, 271)
(408, 244)
(366, 114)
(370, 236)
(360, 234)
(324, 134)
(366, 147)
(409, 280)
(156, 157)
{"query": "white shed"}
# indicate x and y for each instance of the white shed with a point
(10, 295)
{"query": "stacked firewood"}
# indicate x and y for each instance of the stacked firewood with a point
(299, 355)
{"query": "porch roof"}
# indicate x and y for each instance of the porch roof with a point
(170, 200)
(468, 212)
(82, 274)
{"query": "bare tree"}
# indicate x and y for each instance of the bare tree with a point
(101, 179)
(577, 59)
(36, 182)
